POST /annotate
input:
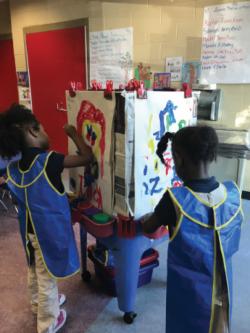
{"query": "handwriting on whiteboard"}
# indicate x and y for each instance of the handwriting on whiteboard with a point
(225, 44)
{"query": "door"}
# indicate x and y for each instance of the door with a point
(55, 58)
(8, 78)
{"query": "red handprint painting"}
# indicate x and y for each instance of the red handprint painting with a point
(92, 126)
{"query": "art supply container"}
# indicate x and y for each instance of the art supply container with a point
(148, 262)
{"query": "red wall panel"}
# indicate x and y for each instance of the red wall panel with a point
(8, 79)
(55, 58)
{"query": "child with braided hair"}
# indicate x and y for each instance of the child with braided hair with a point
(204, 220)
(43, 209)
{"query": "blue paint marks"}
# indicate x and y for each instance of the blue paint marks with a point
(155, 182)
(169, 112)
(146, 188)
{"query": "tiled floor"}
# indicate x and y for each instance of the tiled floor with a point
(90, 310)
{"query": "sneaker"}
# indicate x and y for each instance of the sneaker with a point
(61, 299)
(61, 319)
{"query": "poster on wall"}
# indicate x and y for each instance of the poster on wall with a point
(162, 81)
(191, 72)
(24, 89)
(92, 114)
(159, 113)
(173, 66)
(225, 53)
(111, 56)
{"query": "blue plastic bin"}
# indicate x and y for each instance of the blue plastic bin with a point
(107, 274)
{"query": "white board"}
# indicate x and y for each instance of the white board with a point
(225, 53)
(159, 113)
(111, 56)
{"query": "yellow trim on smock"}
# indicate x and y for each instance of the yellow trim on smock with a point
(225, 269)
(187, 215)
(34, 180)
(28, 212)
(31, 165)
(205, 202)
(26, 232)
(46, 267)
(197, 221)
(52, 186)
(214, 281)
(229, 221)
(177, 228)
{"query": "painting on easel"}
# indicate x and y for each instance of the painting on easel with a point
(133, 175)
(161, 112)
(93, 116)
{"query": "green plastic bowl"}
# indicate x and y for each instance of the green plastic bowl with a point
(101, 218)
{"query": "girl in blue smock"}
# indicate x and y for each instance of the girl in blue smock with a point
(204, 220)
(43, 209)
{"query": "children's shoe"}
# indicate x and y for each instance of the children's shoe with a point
(61, 299)
(61, 319)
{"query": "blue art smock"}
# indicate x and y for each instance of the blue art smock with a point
(203, 233)
(49, 214)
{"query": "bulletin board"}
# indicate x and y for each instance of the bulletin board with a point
(225, 53)
(111, 56)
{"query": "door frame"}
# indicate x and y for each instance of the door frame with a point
(84, 22)
(6, 36)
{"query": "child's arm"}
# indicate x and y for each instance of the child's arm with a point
(163, 215)
(85, 153)
(150, 223)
